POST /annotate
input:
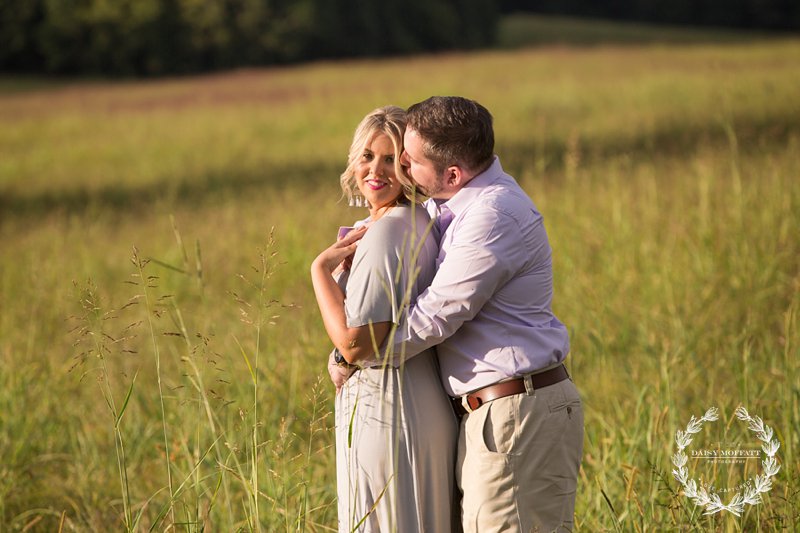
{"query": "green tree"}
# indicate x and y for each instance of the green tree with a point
(151, 37)
(18, 23)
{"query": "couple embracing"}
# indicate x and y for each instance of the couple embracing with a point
(454, 410)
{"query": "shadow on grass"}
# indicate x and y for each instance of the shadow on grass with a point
(669, 142)
(520, 30)
(173, 191)
(549, 157)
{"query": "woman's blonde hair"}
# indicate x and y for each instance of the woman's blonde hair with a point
(390, 121)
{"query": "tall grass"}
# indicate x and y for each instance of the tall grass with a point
(667, 177)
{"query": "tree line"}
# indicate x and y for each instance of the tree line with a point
(153, 37)
(744, 14)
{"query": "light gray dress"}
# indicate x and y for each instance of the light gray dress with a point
(396, 433)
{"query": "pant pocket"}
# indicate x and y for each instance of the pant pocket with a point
(499, 426)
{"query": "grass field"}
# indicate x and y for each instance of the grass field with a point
(530, 29)
(163, 362)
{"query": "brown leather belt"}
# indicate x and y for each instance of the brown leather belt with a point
(473, 400)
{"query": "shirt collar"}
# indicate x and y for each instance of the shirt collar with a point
(473, 188)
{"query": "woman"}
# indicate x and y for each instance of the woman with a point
(395, 430)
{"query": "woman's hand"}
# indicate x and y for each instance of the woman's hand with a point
(339, 373)
(339, 252)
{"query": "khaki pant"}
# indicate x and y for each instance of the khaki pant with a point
(518, 461)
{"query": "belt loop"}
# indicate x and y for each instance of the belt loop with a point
(465, 403)
(529, 390)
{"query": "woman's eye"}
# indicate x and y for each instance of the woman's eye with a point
(366, 156)
(390, 159)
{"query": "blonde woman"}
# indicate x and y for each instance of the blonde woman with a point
(395, 429)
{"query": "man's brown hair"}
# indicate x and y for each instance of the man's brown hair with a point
(454, 131)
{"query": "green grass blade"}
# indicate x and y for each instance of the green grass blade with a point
(127, 399)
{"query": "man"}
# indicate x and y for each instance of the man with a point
(488, 311)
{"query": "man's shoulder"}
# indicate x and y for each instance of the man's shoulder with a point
(504, 195)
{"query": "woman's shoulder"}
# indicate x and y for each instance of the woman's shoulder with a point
(398, 222)
(406, 215)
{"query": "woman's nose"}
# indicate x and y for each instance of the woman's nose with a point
(377, 168)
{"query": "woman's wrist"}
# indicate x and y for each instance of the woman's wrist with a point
(341, 361)
(319, 265)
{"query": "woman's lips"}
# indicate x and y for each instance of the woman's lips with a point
(375, 185)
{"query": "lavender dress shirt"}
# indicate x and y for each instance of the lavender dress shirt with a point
(488, 309)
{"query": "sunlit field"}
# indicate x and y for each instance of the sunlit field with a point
(163, 361)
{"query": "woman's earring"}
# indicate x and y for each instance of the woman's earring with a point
(356, 200)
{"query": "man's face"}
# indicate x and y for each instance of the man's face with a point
(420, 168)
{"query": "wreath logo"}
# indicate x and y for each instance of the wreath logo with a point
(709, 499)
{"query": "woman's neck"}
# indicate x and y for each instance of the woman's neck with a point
(376, 213)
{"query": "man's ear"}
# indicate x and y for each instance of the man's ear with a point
(454, 176)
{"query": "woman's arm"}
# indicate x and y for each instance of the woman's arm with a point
(354, 343)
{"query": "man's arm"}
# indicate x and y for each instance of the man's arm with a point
(484, 254)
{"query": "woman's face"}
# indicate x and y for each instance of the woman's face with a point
(375, 174)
